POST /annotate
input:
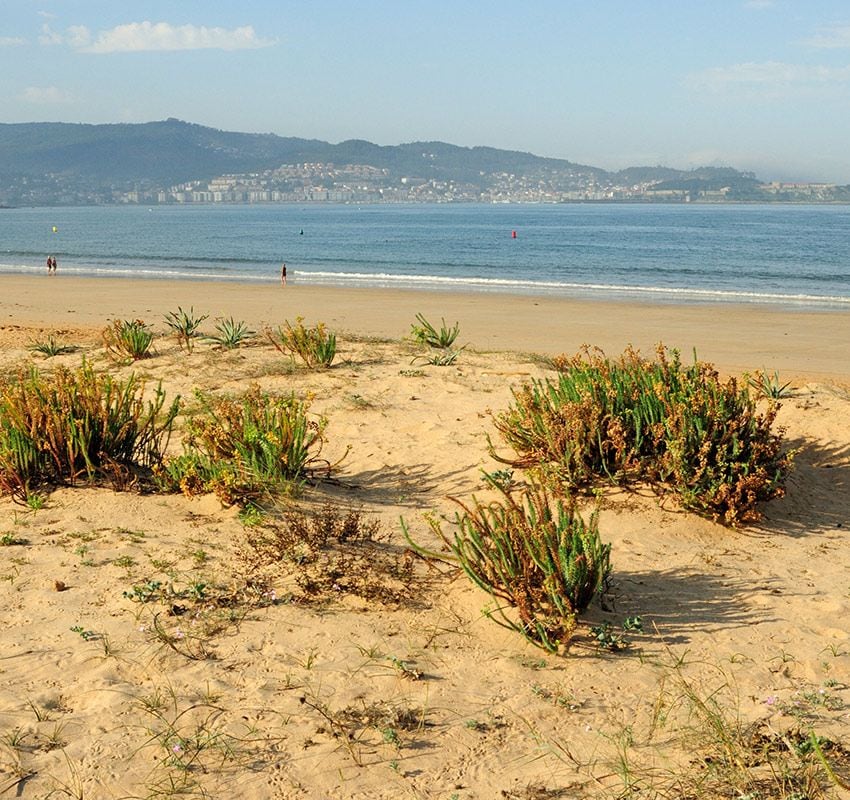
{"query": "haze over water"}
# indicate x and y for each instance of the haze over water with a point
(788, 255)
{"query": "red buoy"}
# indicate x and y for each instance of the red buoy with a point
(513, 234)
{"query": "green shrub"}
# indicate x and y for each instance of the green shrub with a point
(536, 554)
(230, 333)
(245, 447)
(425, 333)
(677, 427)
(128, 339)
(184, 325)
(765, 385)
(78, 426)
(50, 347)
(315, 346)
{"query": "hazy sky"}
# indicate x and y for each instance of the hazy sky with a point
(756, 84)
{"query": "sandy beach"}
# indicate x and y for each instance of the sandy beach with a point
(735, 337)
(407, 690)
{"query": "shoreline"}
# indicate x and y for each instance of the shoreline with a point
(810, 344)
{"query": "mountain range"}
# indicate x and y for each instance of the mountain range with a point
(118, 157)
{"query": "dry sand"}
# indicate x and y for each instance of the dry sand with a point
(422, 697)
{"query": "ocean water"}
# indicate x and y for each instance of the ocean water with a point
(769, 254)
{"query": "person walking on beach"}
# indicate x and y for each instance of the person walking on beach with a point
(51, 265)
(283, 274)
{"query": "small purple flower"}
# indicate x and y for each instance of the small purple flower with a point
(771, 700)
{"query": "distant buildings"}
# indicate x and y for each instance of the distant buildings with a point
(361, 183)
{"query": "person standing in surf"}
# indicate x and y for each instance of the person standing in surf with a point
(283, 274)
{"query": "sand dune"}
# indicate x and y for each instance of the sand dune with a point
(413, 693)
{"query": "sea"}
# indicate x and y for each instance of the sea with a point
(788, 255)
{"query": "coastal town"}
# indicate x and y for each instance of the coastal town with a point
(179, 163)
(362, 183)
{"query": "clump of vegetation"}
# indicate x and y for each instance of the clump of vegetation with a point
(315, 346)
(770, 386)
(328, 553)
(440, 340)
(230, 333)
(50, 347)
(184, 325)
(128, 340)
(679, 428)
(536, 554)
(727, 758)
(187, 619)
(425, 333)
(78, 426)
(443, 358)
(243, 448)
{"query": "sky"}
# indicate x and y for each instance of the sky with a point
(761, 85)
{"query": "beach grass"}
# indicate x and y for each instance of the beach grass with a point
(78, 426)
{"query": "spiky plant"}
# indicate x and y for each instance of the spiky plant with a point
(230, 333)
(184, 325)
(50, 347)
(425, 333)
(128, 340)
(535, 555)
(441, 358)
(769, 386)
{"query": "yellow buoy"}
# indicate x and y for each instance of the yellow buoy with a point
(55, 229)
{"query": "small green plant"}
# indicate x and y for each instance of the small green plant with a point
(50, 347)
(145, 592)
(425, 333)
(41, 714)
(405, 669)
(251, 515)
(769, 386)
(128, 340)
(443, 358)
(184, 325)
(36, 501)
(440, 341)
(535, 554)
(230, 333)
(9, 540)
(193, 740)
(85, 635)
(390, 736)
(607, 638)
(315, 346)
(501, 479)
